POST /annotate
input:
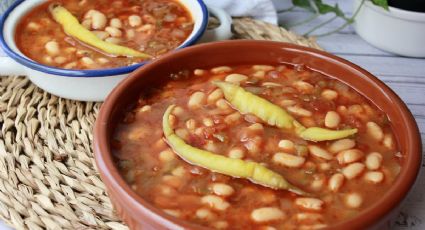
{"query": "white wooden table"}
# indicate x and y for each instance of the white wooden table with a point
(406, 76)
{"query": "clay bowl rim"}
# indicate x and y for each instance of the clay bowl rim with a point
(136, 206)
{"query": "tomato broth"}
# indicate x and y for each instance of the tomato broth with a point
(342, 176)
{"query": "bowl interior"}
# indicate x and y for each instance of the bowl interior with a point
(261, 52)
(20, 8)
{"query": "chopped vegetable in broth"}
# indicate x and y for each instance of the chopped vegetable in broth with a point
(192, 146)
(100, 34)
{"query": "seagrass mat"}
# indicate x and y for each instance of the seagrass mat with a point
(48, 178)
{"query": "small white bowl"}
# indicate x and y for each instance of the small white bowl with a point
(397, 31)
(89, 85)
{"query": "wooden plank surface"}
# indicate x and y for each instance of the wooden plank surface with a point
(406, 76)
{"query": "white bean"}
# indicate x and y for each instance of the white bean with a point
(332, 119)
(191, 124)
(70, 50)
(179, 171)
(134, 20)
(232, 118)
(317, 183)
(98, 20)
(306, 216)
(199, 72)
(33, 26)
(303, 86)
(221, 69)
(286, 145)
(288, 160)
(102, 60)
(254, 145)
(52, 48)
(222, 104)
(178, 111)
(374, 131)
(89, 14)
(324, 166)
(87, 61)
(214, 96)
(349, 156)
(114, 32)
(196, 100)
(267, 214)
(215, 202)
(222, 189)
(263, 67)
(70, 65)
(329, 94)
(60, 60)
(172, 212)
(130, 33)
(353, 170)
(373, 161)
(388, 141)
(287, 102)
(167, 190)
(182, 133)
(208, 122)
(341, 145)
(236, 78)
(86, 23)
(116, 22)
(319, 152)
(309, 203)
(259, 74)
(236, 153)
(146, 28)
(205, 214)
(374, 177)
(257, 127)
(220, 224)
(299, 111)
(172, 119)
(101, 34)
(353, 200)
(172, 181)
(336, 181)
(166, 155)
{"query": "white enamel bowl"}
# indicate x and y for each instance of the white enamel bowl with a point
(89, 85)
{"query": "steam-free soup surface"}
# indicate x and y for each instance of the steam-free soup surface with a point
(343, 176)
(153, 27)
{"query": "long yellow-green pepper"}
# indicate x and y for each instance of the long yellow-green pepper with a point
(252, 171)
(72, 27)
(272, 114)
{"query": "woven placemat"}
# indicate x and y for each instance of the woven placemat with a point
(48, 179)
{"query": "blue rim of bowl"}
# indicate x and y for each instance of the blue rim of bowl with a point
(87, 73)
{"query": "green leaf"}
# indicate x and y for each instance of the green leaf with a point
(381, 3)
(303, 4)
(325, 8)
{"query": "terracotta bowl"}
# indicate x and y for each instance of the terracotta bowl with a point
(139, 214)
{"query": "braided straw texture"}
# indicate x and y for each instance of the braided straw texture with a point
(48, 178)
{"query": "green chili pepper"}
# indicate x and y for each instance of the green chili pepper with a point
(247, 102)
(320, 134)
(73, 28)
(272, 114)
(252, 171)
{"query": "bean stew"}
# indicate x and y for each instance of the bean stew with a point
(82, 34)
(257, 147)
